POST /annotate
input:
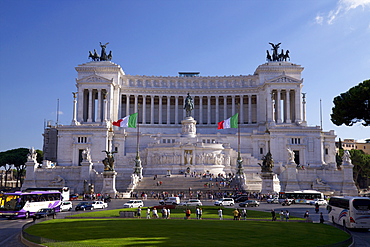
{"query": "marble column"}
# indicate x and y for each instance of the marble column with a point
(144, 109)
(288, 109)
(99, 118)
(176, 110)
(127, 104)
(304, 107)
(136, 103)
(249, 109)
(278, 107)
(241, 109)
(89, 119)
(168, 110)
(201, 109)
(217, 110)
(298, 117)
(225, 107)
(160, 109)
(232, 105)
(208, 110)
(74, 120)
(152, 109)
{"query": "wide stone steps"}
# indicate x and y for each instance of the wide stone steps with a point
(180, 183)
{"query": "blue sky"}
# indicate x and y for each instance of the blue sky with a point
(41, 43)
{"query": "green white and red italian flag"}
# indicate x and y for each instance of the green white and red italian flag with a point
(231, 122)
(128, 121)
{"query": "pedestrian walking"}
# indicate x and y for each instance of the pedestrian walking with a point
(236, 214)
(148, 213)
(273, 215)
(220, 214)
(286, 216)
(317, 208)
(138, 212)
(282, 215)
(321, 218)
(187, 214)
(164, 213)
(155, 213)
(306, 216)
(244, 214)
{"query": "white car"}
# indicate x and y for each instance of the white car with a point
(225, 202)
(273, 200)
(170, 201)
(192, 202)
(133, 204)
(66, 206)
(320, 202)
(99, 204)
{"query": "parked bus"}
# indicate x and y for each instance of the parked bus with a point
(350, 212)
(301, 196)
(63, 190)
(25, 204)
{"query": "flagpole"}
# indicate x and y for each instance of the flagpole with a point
(239, 159)
(239, 129)
(137, 138)
(138, 170)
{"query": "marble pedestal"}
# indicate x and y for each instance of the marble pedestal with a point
(109, 183)
(189, 127)
(270, 183)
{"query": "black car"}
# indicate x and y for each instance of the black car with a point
(84, 206)
(241, 199)
(44, 213)
(249, 203)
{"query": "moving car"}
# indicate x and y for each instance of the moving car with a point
(321, 202)
(273, 200)
(44, 213)
(242, 198)
(192, 202)
(170, 201)
(99, 204)
(225, 202)
(133, 204)
(66, 206)
(249, 203)
(287, 202)
(84, 206)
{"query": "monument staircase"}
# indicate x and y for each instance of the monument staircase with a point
(175, 184)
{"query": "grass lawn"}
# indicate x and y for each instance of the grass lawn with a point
(159, 232)
(179, 232)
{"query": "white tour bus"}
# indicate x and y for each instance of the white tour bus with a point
(300, 196)
(350, 212)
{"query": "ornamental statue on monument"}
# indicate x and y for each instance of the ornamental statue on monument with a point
(103, 55)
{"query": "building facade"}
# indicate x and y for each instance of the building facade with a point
(272, 118)
(349, 144)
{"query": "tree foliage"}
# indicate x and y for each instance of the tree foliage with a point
(17, 158)
(353, 106)
(361, 169)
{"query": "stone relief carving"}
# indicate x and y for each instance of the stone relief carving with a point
(86, 155)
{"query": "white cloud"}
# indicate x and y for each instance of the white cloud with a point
(343, 6)
(319, 19)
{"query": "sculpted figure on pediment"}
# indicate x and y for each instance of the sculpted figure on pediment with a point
(32, 155)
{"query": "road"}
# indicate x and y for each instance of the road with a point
(10, 229)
